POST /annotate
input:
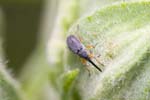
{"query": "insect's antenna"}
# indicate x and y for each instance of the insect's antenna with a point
(94, 65)
(78, 28)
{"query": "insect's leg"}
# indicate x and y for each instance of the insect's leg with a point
(91, 55)
(87, 67)
(98, 55)
(90, 47)
(77, 31)
(98, 61)
(83, 61)
(80, 38)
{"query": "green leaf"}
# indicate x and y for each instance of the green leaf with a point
(67, 81)
(121, 35)
(9, 89)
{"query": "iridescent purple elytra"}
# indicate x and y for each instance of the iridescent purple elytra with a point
(78, 48)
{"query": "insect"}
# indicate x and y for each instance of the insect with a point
(78, 48)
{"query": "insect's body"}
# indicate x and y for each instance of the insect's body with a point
(78, 48)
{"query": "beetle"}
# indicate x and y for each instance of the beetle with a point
(78, 48)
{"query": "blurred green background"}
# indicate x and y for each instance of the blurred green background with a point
(21, 23)
(25, 27)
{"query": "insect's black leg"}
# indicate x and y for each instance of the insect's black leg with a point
(95, 58)
(89, 72)
(98, 61)
(94, 64)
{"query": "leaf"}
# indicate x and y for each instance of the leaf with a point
(121, 34)
(67, 81)
(9, 89)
